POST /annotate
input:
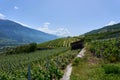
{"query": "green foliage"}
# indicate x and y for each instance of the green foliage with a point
(32, 47)
(104, 35)
(88, 71)
(107, 49)
(106, 32)
(22, 49)
(76, 61)
(111, 69)
(45, 64)
(94, 68)
(61, 42)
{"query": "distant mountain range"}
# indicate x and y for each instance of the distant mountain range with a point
(12, 33)
(110, 31)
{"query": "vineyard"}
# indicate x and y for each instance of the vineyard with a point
(61, 42)
(101, 61)
(38, 65)
(50, 63)
(28, 62)
(107, 49)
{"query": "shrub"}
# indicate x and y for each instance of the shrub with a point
(109, 69)
(32, 47)
(76, 61)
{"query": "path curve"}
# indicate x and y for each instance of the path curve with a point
(68, 69)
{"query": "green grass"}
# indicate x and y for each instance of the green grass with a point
(90, 68)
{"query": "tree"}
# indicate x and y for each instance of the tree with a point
(32, 47)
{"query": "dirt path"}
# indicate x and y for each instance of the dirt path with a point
(67, 73)
(68, 69)
(81, 54)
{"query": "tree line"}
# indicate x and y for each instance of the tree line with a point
(22, 49)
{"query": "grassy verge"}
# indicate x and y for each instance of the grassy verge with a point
(92, 68)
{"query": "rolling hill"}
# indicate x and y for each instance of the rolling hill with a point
(60, 42)
(12, 33)
(110, 31)
(109, 28)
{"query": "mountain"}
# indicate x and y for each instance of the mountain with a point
(109, 28)
(110, 31)
(12, 33)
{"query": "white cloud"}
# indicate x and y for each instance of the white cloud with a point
(45, 28)
(16, 8)
(2, 16)
(62, 32)
(111, 23)
(59, 32)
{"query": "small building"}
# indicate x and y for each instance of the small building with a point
(77, 45)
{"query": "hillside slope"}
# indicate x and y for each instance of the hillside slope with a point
(14, 33)
(110, 31)
(109, 28)
(61, 42)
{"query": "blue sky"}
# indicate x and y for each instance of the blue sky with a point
(62, 17)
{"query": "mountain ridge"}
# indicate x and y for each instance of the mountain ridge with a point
(106, 32)
(105, 29)
(17, 33)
